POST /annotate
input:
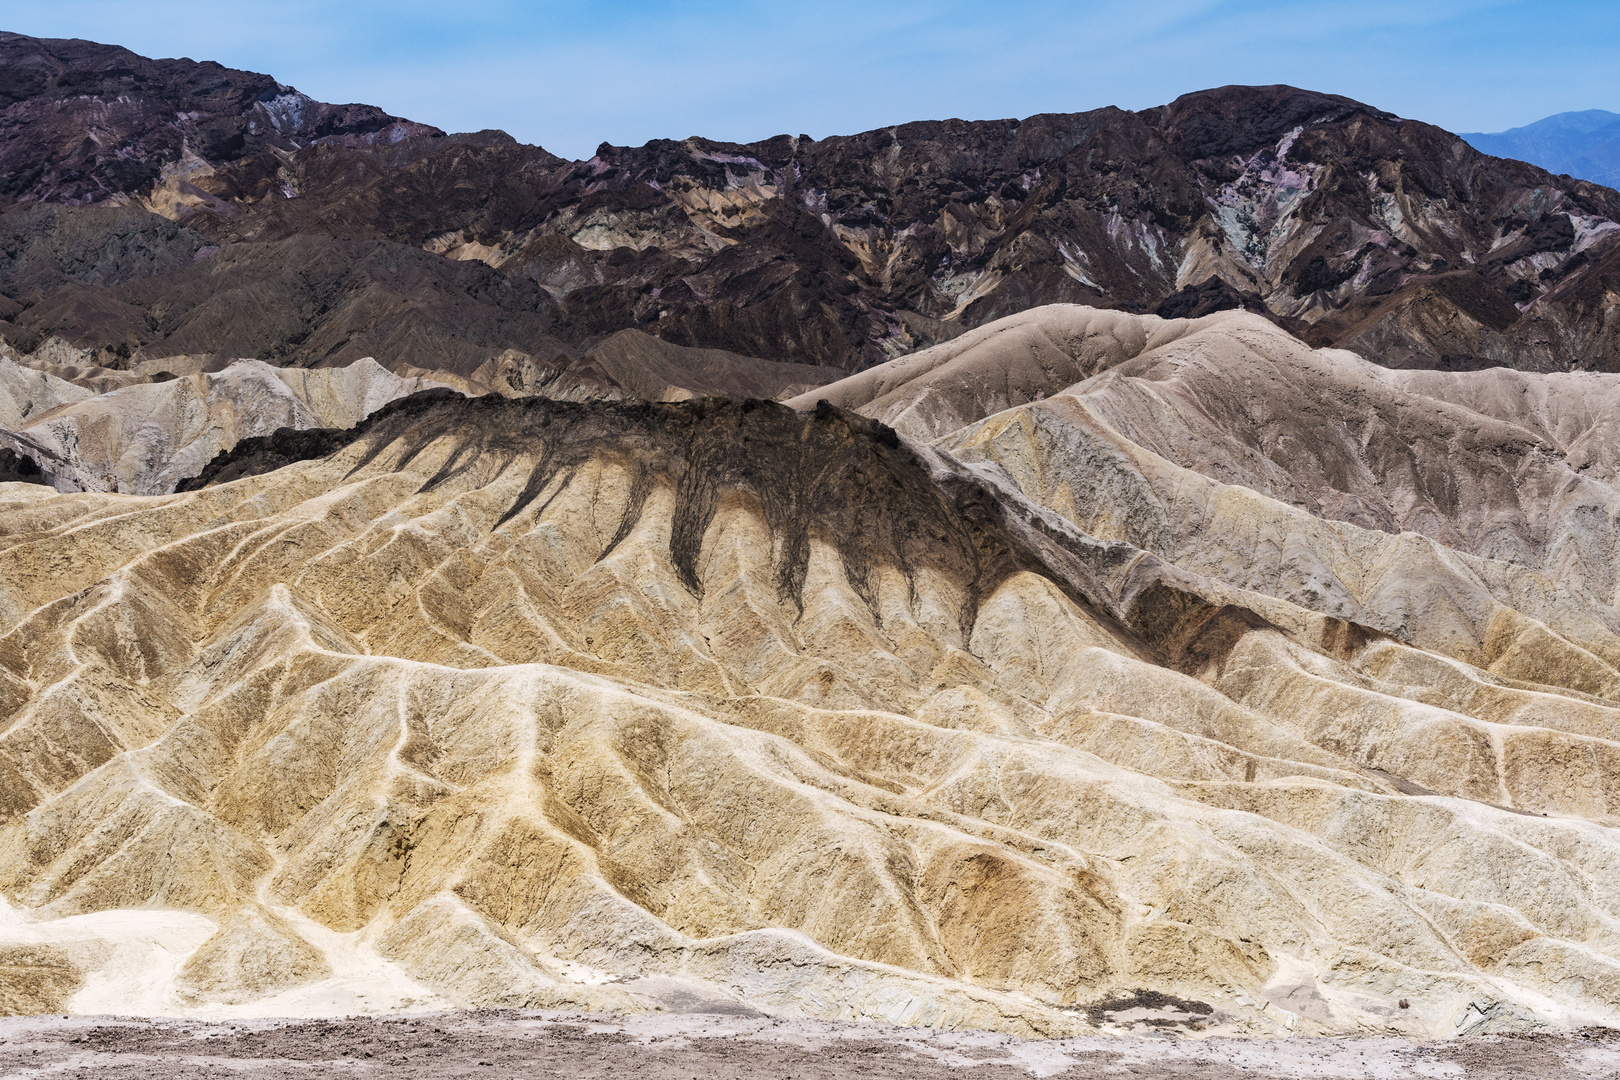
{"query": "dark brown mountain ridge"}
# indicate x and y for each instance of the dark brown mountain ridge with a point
(154, 208)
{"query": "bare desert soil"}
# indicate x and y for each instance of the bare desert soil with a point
(497, 1044)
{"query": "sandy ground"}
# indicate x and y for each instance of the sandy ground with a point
(492, 1044)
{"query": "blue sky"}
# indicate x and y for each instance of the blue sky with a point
(569, 74)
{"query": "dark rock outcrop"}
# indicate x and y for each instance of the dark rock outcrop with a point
(16, 468)
(321, 233)
(82, 122)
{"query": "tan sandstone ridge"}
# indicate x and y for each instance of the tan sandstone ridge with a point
(1155, 670)
(145, 438)
(632, 365)
(144, 431)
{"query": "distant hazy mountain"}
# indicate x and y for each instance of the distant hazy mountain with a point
(1583, 144)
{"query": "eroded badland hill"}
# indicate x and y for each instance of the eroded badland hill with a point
(434, 574)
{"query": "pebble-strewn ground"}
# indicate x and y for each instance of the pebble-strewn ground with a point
(493, 1044)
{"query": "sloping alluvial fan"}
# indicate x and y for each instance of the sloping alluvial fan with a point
(152, 208)
(1112, 667)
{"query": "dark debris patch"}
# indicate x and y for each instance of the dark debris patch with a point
(1175, 1012)
(19, 468)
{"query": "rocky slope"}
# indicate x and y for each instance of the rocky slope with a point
(271, 226)
(1428, 505)
(84, 122)
(1153, 670)
(144, 439)
(146, 428)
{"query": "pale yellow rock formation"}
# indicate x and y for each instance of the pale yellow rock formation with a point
(1126, 682)
(36, 979)
(146, 437)
(633, 364)
(253, 955)
(26, 393)
(1001, 364)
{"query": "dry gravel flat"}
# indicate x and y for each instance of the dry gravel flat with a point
(501, 1044)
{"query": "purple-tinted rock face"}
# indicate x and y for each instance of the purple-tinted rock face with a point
(83, 122)
(356, 233)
